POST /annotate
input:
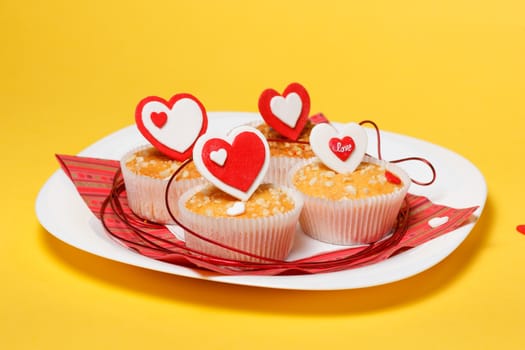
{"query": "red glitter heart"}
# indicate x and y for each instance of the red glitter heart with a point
(159, 119)
(342, 148)
(274, 121)
(244, 159)
(521, 229)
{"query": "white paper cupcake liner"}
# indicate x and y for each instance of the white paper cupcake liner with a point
(146, 195)
(280, 165)
(353, 221)
(270, 237)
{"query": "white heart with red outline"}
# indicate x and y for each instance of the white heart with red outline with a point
(172, 126)
(236, 162)
(340, 150)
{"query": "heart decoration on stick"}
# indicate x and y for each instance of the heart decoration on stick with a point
(286, 113)
(341, 151)
(172, 126)
(236, 163)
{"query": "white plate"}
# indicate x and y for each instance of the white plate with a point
(459, 184)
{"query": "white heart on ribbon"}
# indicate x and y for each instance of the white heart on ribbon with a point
(287, 109)
(323, 134)
(182, 127)
(437, 221)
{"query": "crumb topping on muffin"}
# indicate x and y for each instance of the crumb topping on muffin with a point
(267, 200)
(367, 180)
(288, 149)
(153, 163)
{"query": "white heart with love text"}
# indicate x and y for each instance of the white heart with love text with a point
(339, 149)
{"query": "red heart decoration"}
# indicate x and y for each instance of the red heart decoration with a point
(292, 121)
(235, 162)
(172, 126)
(244, 160)
(159, 119)
(342, 148)
(521, 229)
(390, 177)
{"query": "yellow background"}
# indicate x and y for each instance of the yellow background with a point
(450, 72)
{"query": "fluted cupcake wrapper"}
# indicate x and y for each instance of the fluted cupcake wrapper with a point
(280, 165)
(146, 195)
(268, 237)
(352, 221)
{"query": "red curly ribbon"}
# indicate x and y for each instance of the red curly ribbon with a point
(419, 159)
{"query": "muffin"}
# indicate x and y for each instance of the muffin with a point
(146, 172)
(285, 153)
(353, 208)
(264, 225)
